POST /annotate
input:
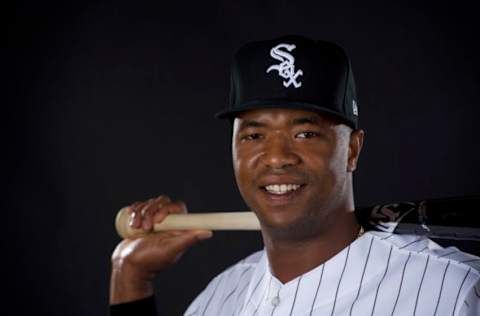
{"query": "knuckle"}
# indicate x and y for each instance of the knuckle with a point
(137, 207)
(144, 210)
(161, 202)
(162, 208)
(131, 208)
(163, 198)
(179, 206)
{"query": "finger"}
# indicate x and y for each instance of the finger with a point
(163, 199)
(160, 215)
(147, 214)
(149, 210)
(176, 207)
(140, 212)
(158, 211)
(169, 208)
(136, 217)
(131, 212)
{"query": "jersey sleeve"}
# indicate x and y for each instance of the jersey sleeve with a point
(471, 303)
(201, 302)
(221, 295)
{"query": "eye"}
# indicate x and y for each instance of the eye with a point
(307, 134)
(250, 137)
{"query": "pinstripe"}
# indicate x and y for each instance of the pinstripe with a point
(383, 277)
(316, 292)
(233, 291)
(275, 307)
(263, 296)
(383, 238)
(460, 289)
(363, 274)
(448, 253)
(401, 283)
(411, 243)
(253, 292)
(420, 286)
(244, 288)
(213, 294)
(296, 292)
(193, 313)
(441, 288)
(340, 281)
(240, 293)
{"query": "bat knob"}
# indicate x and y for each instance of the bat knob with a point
(122, 225)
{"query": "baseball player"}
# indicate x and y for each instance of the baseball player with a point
(295, 146)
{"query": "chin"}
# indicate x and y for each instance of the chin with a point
(286, 226)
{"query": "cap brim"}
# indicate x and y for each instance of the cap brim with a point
(256, 105)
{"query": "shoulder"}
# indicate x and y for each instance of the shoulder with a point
(456, 273)
(422, 247)
(240, 268)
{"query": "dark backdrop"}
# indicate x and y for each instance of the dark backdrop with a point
(112, 102)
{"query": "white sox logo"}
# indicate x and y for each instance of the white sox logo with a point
(286, 69)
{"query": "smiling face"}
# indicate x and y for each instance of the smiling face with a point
(293, 169)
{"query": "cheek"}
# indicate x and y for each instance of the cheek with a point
(336, 166)
(241, 166)
(327, 163)
(236, 161)
(337, 161)
(245, 168)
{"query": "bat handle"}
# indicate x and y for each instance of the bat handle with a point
(209, 221)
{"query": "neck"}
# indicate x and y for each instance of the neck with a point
(292, 258)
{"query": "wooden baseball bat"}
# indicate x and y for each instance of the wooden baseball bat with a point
(210, 221)
(449, 218)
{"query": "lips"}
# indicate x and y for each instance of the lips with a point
(280, 189)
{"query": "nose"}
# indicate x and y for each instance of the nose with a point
(278, 153)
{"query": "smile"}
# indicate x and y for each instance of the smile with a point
(280, 189)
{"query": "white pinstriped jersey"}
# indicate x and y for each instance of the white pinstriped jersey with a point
(378, 274)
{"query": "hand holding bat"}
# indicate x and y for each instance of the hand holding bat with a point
(135, 261)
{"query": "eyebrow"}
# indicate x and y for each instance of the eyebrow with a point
(251, 123)
(312, 120)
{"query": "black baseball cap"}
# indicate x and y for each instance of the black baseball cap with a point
(293, 72)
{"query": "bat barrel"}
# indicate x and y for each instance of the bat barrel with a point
(450, 218)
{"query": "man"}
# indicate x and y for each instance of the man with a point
(295, 145)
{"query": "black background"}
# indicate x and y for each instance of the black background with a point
(113, 102)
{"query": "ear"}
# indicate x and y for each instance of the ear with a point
(354, 148)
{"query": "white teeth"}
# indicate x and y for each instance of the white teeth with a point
(281, 188)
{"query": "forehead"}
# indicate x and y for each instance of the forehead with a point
(283, 116)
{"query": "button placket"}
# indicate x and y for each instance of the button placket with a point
(275, 300)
